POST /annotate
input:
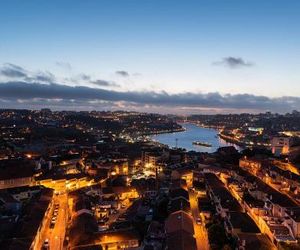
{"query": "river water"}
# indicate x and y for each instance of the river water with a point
(193, 133)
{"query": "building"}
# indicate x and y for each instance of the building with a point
(30, 224)
(179, 229)
(155, 237)
(152, 158)
(182, 173)
(15, 174)
(127, 239)
(280, 145)
(251, 165)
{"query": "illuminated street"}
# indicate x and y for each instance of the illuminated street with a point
(56, 235)
(114, 217)
(200, 230)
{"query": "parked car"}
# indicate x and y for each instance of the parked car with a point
(46, 244)
(198, 221)
(102, 227)
(52, 224)
(53, 221)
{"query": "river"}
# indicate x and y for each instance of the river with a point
(193, 133)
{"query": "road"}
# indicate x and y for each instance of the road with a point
(121, 211)
(56, 235)
(200, 230)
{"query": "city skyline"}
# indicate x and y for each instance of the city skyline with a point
(149, 124)
(166, 57)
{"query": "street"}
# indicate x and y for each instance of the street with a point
(113, 217)
(200, 230)
(56, 235)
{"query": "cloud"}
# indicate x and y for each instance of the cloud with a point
(84, 77)
(12, 71)
(233, 62)
(35, 89)
(85, 96)
(104, 83)
(42, 77)
(64, 65)
(122, 73)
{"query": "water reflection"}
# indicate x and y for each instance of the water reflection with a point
(193, 133)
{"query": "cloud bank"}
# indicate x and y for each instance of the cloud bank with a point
(24, 89)
(24, 92)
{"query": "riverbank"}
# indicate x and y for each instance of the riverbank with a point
(231, 140)
(201, 125)
(166, 131)
(226, 138)
(243, 144)
(192, 132)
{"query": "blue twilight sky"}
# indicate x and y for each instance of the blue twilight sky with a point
(174, 51)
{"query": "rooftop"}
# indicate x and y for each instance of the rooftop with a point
(226, 199)
(243, 221)
(12, 169)
(179, 221)
(181, 240)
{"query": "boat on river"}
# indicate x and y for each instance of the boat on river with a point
(200, 143)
